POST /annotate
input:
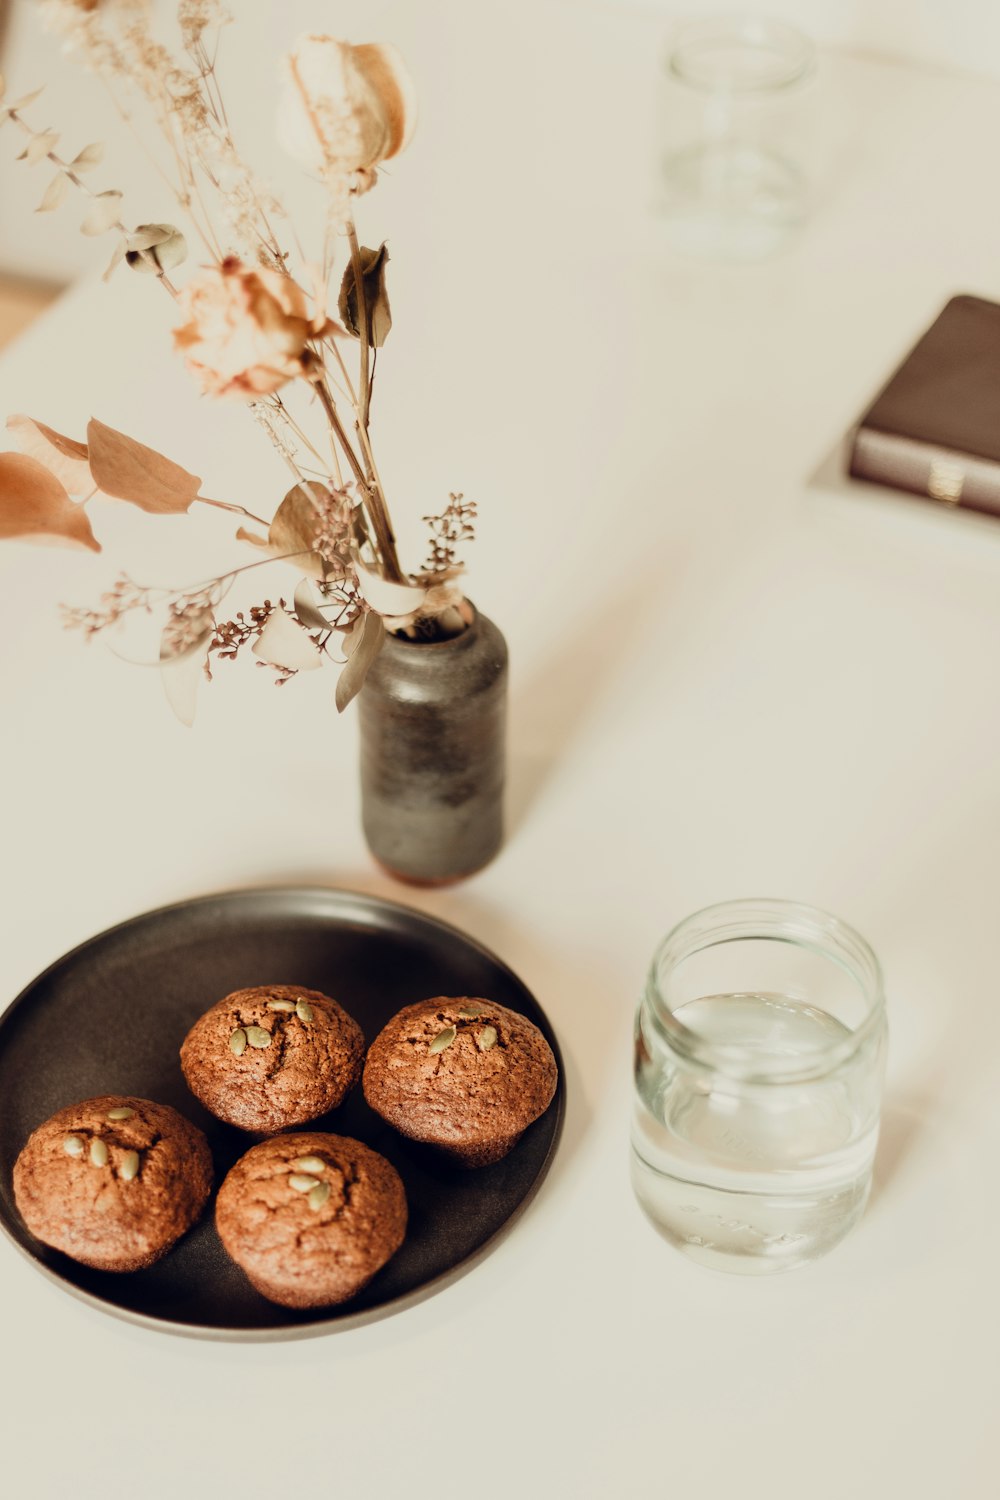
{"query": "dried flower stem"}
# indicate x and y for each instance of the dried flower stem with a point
(374, 502)
(287, 417)
(182, 198)
(331, 344)
(273, 408)
(237, 510)
(333, 417)
(227, 577)
(374, 479)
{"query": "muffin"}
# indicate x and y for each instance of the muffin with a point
(113, 1182)
(267, 1058)
(463, 1074)
(311, 1217)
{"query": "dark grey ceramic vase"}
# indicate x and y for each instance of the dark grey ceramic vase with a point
(433, 751)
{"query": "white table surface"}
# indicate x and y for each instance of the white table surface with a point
(726, 681)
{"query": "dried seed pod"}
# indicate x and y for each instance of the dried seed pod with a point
(344, 108)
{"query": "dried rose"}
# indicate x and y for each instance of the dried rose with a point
(246, 330)
(343, 109)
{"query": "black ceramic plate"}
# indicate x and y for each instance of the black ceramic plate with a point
(109, 1018)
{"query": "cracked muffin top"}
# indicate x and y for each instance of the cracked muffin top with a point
(113, 1182)
(463, 1074)
(311, 1217)
(274, 1056)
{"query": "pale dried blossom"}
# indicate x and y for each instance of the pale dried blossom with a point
(246, 332)
(343, 109)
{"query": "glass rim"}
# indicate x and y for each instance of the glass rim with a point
(742, 28)
(758, 918)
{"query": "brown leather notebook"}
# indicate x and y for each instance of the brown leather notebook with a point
(935, 428)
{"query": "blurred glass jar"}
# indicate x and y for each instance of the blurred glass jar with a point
(733, 179)
(759, 1053)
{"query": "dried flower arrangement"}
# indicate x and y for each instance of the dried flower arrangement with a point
(252, 325)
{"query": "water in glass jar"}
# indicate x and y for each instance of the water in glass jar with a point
(754, 1176)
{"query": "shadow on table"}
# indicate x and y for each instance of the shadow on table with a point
(904, 1121)
(566, 687)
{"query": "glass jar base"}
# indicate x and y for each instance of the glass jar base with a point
(749, 1234)
(729, 201)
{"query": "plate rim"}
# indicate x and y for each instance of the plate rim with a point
(342, 1322)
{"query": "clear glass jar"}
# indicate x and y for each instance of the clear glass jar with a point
(732, 177)
(760, 1048)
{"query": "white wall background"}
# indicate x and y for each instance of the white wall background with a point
(959, 34)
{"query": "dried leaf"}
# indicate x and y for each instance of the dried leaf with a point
(306, 612)
(39, 147)
(116, 259)
(389, 598)
(89, 157)
(25, 100)
(373, 263)
(366, 645)
(295, 525)
(284, 643)
(104, 213)
(62, 456)
(352, 636)
(54, 194)
(130, 471)
(35, 506)
(164, 245)
(180, 672)
(242, 535)
(148, 235)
